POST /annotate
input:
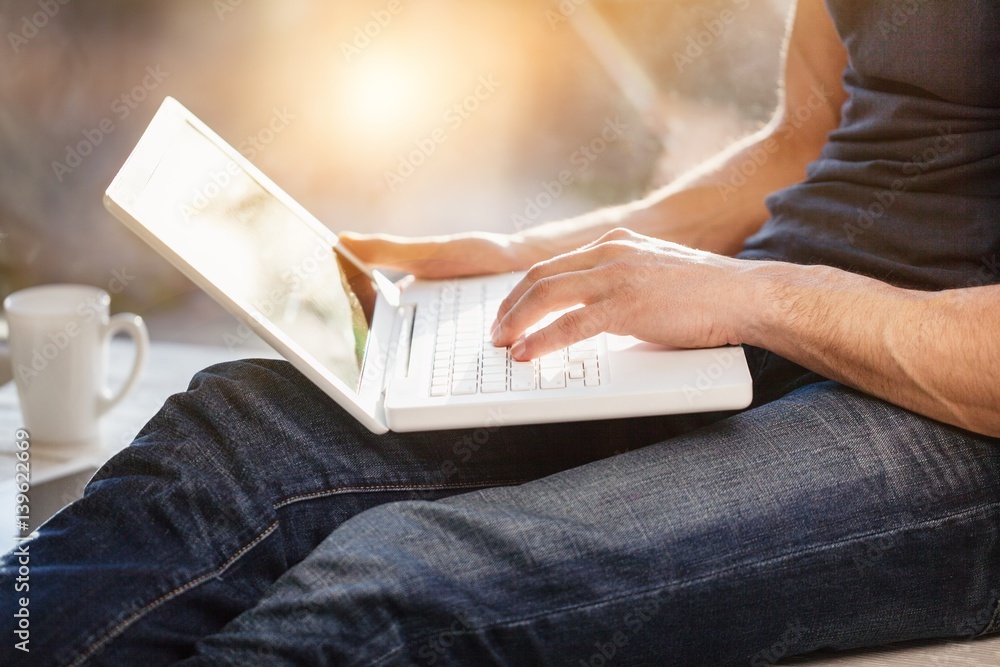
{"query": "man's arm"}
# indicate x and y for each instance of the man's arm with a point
(715, 207)
(720, 203)
(936, 353)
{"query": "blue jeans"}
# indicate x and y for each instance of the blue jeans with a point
(253, 522)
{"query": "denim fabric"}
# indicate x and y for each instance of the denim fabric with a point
(253, 522)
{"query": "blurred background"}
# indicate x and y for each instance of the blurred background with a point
(332, 100)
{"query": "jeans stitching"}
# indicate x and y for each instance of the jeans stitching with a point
(397, 487)
(677, 585)
(90, 649)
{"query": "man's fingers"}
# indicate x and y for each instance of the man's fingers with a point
(578, 260)
(570, 327)
(370, 249)
(544, 296)
(421, 257)
(432, 257)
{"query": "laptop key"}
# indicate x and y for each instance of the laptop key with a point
(553, 360)
(494, 373)
(463, 387)
(466, 362)
(522, 383)
(552, 378)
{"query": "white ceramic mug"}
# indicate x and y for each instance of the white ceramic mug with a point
(58, 340)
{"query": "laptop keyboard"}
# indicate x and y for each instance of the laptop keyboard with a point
(466, 362)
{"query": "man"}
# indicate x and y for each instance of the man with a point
(856, 503)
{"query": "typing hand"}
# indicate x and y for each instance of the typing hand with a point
(628, 284)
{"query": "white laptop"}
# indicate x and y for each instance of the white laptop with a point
(417, 358)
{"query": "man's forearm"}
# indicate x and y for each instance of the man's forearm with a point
(937, 354)
(714, 207)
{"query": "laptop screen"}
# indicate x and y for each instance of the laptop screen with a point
(256, 249)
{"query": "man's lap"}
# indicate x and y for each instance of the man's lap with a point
(824, 519)
(254, 466)
(236, 480)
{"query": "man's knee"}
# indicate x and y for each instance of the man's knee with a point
(245, 399)
(225, 422)
(236, 381)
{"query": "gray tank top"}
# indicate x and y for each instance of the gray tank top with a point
(907, 189)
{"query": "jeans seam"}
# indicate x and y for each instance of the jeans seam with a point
(677, 585)
(397, 487)
(93, 647)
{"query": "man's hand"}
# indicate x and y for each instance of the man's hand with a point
(440, 257)
(627, 284)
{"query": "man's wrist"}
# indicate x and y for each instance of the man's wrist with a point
(525, 250)
(767, 297)
(558, 237)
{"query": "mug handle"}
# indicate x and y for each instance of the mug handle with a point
(134, 326)
(6, 368)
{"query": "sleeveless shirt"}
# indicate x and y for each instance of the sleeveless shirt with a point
(907, 188)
